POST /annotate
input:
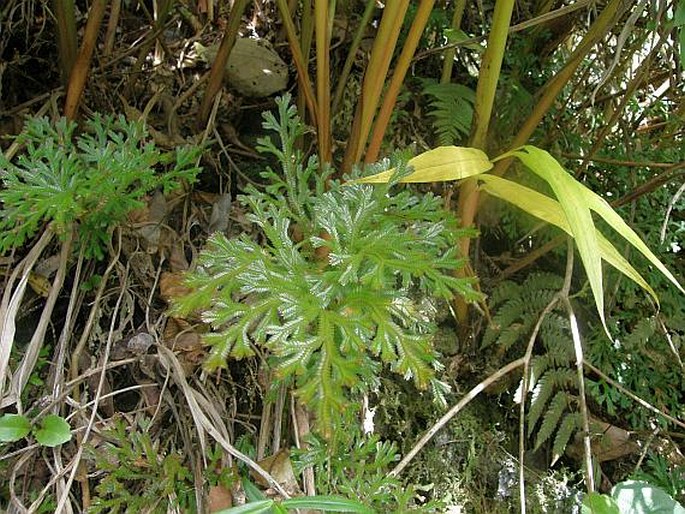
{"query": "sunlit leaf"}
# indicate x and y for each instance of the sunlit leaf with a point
(569, 194)
(549, 210)
(438, 165)
(577, 201)
(595, 503)
(639, 497)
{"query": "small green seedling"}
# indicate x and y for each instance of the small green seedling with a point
(51, 431)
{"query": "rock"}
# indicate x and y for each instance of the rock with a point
(253, 69)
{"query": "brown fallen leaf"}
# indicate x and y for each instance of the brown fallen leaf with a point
(280, 467)
(609, 442)
(171, 286)
(219, 498)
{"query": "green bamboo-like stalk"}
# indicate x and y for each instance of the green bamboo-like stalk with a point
(374, 79)
(306, 36)
(403, 63)
(603, 24)
(485, 99)
(468, 197)
(550, 91)
(448, 64)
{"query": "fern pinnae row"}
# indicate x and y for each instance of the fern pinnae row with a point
(550, 420)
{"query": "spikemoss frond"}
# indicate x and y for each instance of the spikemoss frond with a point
(328, 324)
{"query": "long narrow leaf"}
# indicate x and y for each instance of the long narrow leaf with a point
(549, 210)
(582, 198)
(601, 207)
(327, 504)
(569, 193)
(438, 165)
(250, 508)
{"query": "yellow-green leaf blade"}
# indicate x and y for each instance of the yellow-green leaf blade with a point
(614, 257)
(571, 197)
(547, 209)
(601, 207)
(441, 164)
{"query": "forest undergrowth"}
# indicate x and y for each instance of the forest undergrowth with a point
(342, 256)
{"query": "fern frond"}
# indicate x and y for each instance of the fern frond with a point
(640, 334)
(328, 325)
(557, 407)
(451, 110)
(544, 280)
(541, 394)
(572, 422)
(504, 292)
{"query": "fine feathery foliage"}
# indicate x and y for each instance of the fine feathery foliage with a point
(330, 293)
(93, 179)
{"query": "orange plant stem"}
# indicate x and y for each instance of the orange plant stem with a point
(79, 71)
(304, 83)
(216, 74)
(403, 63)
(485, 99)
(374, 79)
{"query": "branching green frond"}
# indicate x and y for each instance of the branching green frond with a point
(638, 337)
(552, 375)
(542, 392)
(328, 320)
(94, 179)
(505, 291)
(552, 380)
(570, 424)
(518, 308)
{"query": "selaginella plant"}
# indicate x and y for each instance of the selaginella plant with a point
(93, 179)
(75, 187)
(331, 292)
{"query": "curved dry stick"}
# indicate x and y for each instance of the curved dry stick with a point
(454, 411)
(524, 390)
(671, 203)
